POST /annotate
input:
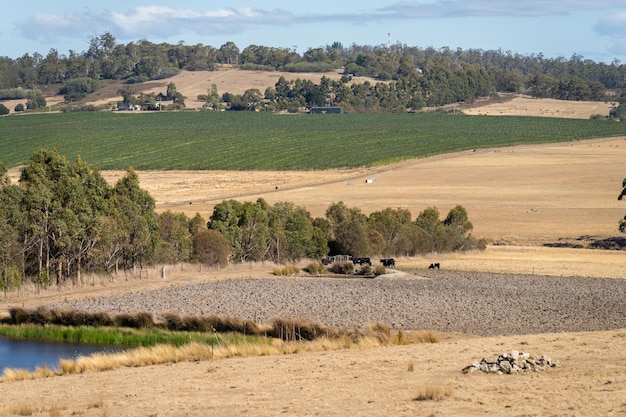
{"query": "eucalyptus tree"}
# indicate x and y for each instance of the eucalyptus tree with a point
(245, 225)
(430, 228)
(396, 228)
(211, 247)
(133, 209)
(349, 230)
(10, 249)
(293, 235)
(174, 237)
(61, 209)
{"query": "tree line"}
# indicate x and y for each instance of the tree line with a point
(63, 219)
(405, 76)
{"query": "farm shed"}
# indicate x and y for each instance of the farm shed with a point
(327, 110)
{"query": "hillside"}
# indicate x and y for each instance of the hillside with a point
(236, 81)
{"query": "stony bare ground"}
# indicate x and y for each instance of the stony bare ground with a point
(536, 299)
(484, 304)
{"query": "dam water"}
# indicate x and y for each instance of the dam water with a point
(30, 354)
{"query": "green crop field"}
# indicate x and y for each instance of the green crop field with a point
(268, 141)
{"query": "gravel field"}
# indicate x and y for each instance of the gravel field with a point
(483, 304)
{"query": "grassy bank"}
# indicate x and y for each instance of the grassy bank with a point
(162, 343)
(116, 336)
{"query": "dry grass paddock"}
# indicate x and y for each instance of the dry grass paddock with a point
(520, 198)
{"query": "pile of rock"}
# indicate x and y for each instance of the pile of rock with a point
(509, 363)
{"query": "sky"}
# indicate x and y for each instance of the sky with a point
(593, 29)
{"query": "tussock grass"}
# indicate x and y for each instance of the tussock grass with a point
(286, 271)
(301, 329)
(344, 268)
(315, 268)
(411, 366)
(21, 410)
(55, 411)
(97, 403)
(401, 338)
(136, 320)
(381, 331)
(432, 393)
(70, 317)
(379, 270)
(426, 336)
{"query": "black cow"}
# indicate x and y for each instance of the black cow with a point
(388, 262)
(434, 266)
(362, 261)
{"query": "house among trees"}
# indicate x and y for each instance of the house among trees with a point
(327, 110)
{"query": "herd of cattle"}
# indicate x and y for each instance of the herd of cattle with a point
(387, 262)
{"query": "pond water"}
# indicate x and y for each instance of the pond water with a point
(30, 354)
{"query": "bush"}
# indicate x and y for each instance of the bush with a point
(19, 107)
(231, 324)
(4, 110)
(365, 270)
(345, 268)
(19, 315)
(76, 88)
(286, 271)
(379, 270)
(315, 268)
(211, 247)
(80, 108)
(136, 321)
(35, 101)
(300, 329)
(16, 93)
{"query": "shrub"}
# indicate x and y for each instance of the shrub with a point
(18, 315)
(211, 247)
(315, 268)
(4, 110)
(288, 270)
(35, 101)
(19, 107)
(80, 108)
(365, 270)
(300, 329)
(13, 93)
(232, 324)
(344, 268)
(76, 88)
(136, 320)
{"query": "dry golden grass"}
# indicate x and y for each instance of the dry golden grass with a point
(194, 352)
(432, 393)
(528, 106)
(368, 381)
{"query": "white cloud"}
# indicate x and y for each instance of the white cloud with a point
(612, 26)
(150, 21)
(494, 8)
(162, 22)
